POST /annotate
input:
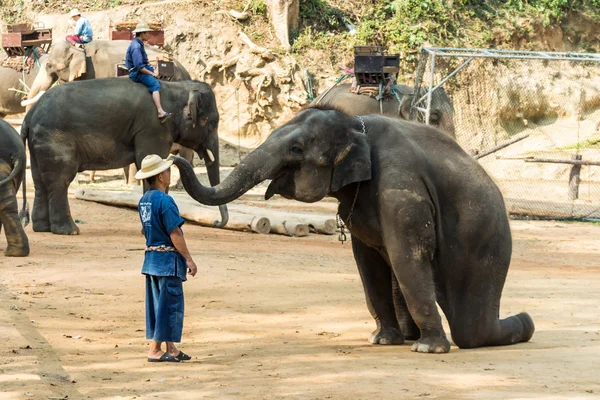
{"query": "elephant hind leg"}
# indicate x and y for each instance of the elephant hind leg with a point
(475, 321)
(18, 243)
(61, 222)
(40, 215)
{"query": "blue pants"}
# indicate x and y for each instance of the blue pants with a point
(147, 80)
(164, 308)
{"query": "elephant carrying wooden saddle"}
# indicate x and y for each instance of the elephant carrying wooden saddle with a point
(393, 100)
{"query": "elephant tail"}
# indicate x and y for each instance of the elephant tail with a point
(18, 166)
(24, 213)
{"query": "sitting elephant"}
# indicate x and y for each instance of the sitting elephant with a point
(13, 163)
(428, 224)
(113, 125)
(442, 110)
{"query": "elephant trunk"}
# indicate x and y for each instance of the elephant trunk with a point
(211, 159)
(259, 165)
(42, 82)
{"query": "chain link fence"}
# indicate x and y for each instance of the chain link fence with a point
(531, 119)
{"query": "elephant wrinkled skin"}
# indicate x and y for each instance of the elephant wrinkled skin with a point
(113, 125)
(442, 109)
(429, 225)
(12, 172)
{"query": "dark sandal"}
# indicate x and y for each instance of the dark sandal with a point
(182, 356)
(166, 357)
(165, 117)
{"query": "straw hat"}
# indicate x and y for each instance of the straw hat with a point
(74, 12)
(152, 165)
(142, 27)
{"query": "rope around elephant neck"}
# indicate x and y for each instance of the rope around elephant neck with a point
(340, 224)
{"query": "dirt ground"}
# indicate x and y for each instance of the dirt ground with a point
(276, 317)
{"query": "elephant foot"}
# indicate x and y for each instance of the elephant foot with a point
(66, 229)
(431, 345)
(15, 251)
(386, 336)
(38, 226)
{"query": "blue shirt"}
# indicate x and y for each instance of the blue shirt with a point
(83, 29)
(136, 58)
(160, 216)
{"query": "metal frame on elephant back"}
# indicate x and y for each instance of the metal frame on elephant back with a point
(19, 38)
(538, 113)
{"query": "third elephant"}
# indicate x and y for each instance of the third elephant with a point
(442, 109)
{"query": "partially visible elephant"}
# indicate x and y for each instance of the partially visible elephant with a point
(284, 15)
(428, 224)
(13, 163)
(113, 125)
(442, 109)
(66, 63)
(10, 100)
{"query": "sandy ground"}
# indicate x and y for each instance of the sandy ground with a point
(277, 317)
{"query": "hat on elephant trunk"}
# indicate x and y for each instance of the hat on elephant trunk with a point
(152, 165)
(74, 12)
(142, 27)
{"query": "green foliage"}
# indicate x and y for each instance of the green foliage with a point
(258, 7)
(405, 25)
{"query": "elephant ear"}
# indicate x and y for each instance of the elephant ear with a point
(195, 108)
(353, 163)
(77, 65)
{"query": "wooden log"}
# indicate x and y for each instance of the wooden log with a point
(289, 227)
(319, 223)
(500, 147)
(14, 121)
(574, 178)
(188, 209)
(559, 161)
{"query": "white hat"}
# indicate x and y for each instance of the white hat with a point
(142, 27)
(74, 12)
(153, 165)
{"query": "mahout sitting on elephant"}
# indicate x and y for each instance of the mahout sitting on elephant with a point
(398, 105)
(113, 125)
(13, 163)
(427, 222)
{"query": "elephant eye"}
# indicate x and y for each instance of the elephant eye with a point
(296, 150)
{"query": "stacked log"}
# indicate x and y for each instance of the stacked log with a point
(241, 218)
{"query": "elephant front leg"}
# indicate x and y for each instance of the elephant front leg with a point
(407, 324)
(376, 277)
(410, 242)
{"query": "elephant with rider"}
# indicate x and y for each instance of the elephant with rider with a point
(112, 126)
(13, 164)
(397, 104)
(66, 63)
(428, 224)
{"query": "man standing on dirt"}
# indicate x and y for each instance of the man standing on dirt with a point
(165, 263)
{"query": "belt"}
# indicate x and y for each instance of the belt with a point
(162, 248)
